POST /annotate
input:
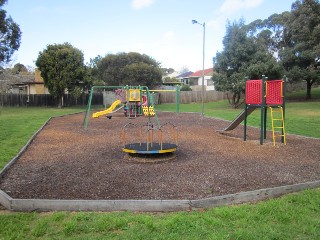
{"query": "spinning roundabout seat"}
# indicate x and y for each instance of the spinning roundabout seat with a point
(149, 139)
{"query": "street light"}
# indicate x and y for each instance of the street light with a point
(204, 37)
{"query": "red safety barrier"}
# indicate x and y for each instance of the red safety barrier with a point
(254, 92)
(274, 90)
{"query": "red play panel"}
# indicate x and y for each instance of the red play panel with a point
(274, 92)
(254, 92)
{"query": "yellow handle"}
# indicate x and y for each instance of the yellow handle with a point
(266, 89)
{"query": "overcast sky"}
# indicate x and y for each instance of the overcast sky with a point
(161, 29)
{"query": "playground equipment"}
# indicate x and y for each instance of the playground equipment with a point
(111, 109)
(149, 145)
(135, 103)
(264, 94)
(129, 96)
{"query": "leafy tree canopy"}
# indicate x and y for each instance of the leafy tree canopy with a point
(301, 52)
(19, 68)
(294, 38)
(186, 88)
(129, 69)
(10, 35)
(244, 56)
(93, 72)
(62, 68)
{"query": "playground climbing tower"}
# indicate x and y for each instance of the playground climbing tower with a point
(267, 94)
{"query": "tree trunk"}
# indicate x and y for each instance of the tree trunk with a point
(309, 85)
(60, 101)
(235, 100)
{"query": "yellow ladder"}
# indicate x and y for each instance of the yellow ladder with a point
(277, 123)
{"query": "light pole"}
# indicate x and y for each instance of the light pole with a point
(204, 37)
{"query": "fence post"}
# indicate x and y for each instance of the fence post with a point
(177, 98)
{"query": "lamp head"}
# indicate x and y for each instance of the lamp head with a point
(194, 21)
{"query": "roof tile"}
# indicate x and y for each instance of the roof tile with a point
(207, 72)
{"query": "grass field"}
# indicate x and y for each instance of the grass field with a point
(295, 216)
(301, 94)
(17, 125)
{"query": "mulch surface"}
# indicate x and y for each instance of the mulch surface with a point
(65, 161)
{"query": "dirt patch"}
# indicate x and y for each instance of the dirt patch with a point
(65, 161)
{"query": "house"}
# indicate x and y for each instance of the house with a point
(29, 84)
(195, 80)
(184, 77)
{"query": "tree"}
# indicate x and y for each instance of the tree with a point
(141, 74)
(228, 63)
(244, 55)
(300, 52)
(62, 68)
(92, 71)
(295, 40)
(184, 69)
(167, 71)
(19, 68)
(6, 79)
(129, 68)
(10, 35)
(186, 88)
(247, 53)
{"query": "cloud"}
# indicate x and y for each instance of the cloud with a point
(138, 4)
(232, 6)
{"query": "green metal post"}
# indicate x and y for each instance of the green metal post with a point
(140, 107)
(263, 105)
(177, 98)
(284, 89)
(149, 104)
(127, 102)
(148, 101)
(86, 119)
(245, 122)
(265, 123)
(245, 117)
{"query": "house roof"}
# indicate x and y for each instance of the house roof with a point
(28, 79)
(23, 80)
(207, 72)
(26, 83)
(172, 75)
(184, 75)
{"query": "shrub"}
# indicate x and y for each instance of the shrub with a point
(185, 88)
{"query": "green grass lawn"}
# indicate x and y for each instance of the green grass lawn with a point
(301, 94)
(17, 125)
(295, 216)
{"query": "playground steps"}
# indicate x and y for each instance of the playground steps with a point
(277, 123)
